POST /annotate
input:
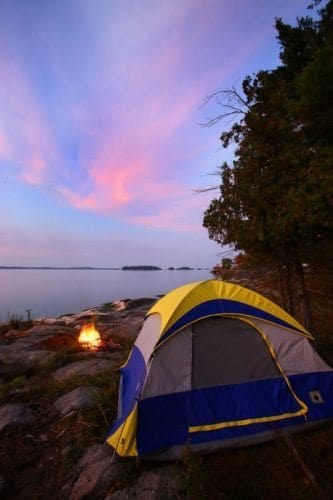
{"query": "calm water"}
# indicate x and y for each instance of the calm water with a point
(57, 292)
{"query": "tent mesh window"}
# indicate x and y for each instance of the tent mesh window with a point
(229, 351)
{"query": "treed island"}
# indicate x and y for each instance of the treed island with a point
(273, 208)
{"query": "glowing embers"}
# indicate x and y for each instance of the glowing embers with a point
(90, 338)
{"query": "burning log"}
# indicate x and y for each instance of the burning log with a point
(89, 337)
(91, 340)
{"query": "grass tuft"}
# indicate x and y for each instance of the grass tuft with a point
(16, 322)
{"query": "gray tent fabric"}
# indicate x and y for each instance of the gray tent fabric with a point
(224, 351)
(293, 351)
(149, 335)
(229, 351)
(171, 367)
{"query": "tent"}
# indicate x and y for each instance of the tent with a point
(217, 365)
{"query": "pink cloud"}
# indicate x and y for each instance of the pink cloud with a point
(135, 164)
(137, 167)
(37, 167)
(136, 161)
(129, 167)
(136, 158)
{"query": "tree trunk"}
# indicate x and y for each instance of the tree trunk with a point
(302, 297)
(286, 287)
(293, 289)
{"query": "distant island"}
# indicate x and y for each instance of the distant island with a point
(184, 268)
(141, 268)
(76, 268)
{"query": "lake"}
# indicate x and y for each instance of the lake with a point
(51, 293)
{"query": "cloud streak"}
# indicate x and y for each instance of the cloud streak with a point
(100, 109)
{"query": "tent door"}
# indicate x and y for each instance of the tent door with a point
(235, 380)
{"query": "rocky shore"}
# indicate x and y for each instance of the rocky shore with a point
(57, 400)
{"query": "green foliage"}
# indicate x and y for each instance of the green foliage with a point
(278, 191)
(276, 198)
(226, 263)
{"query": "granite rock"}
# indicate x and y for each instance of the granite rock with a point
(162, 483)
(79, 398)
(83, 368)
(95, 473)
(13, 416)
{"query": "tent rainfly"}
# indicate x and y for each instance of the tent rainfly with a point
(217, 365)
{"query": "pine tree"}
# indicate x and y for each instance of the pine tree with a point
(276, 197)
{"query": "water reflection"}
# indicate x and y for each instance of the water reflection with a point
(56, 292)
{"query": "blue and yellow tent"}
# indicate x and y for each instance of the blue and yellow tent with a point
(217, 365)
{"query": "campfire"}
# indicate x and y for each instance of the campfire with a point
(91, 340)
(89, 337)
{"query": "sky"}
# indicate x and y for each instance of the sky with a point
(102, 148)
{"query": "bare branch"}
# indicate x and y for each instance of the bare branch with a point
(230, 100)
(212, 121)
(205, 190)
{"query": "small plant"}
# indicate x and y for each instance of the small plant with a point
(107, 306)
(10, 387)
(16, 322)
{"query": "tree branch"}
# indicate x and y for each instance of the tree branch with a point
(230, 100)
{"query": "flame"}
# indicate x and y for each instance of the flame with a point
(89, 337)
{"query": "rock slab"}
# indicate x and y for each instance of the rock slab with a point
(83, 368)
(95, 474)
(13, 416)
(79, 398)
(162, 483)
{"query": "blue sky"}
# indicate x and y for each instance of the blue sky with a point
(101, 146)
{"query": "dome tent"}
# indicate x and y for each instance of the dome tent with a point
(217, 365)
